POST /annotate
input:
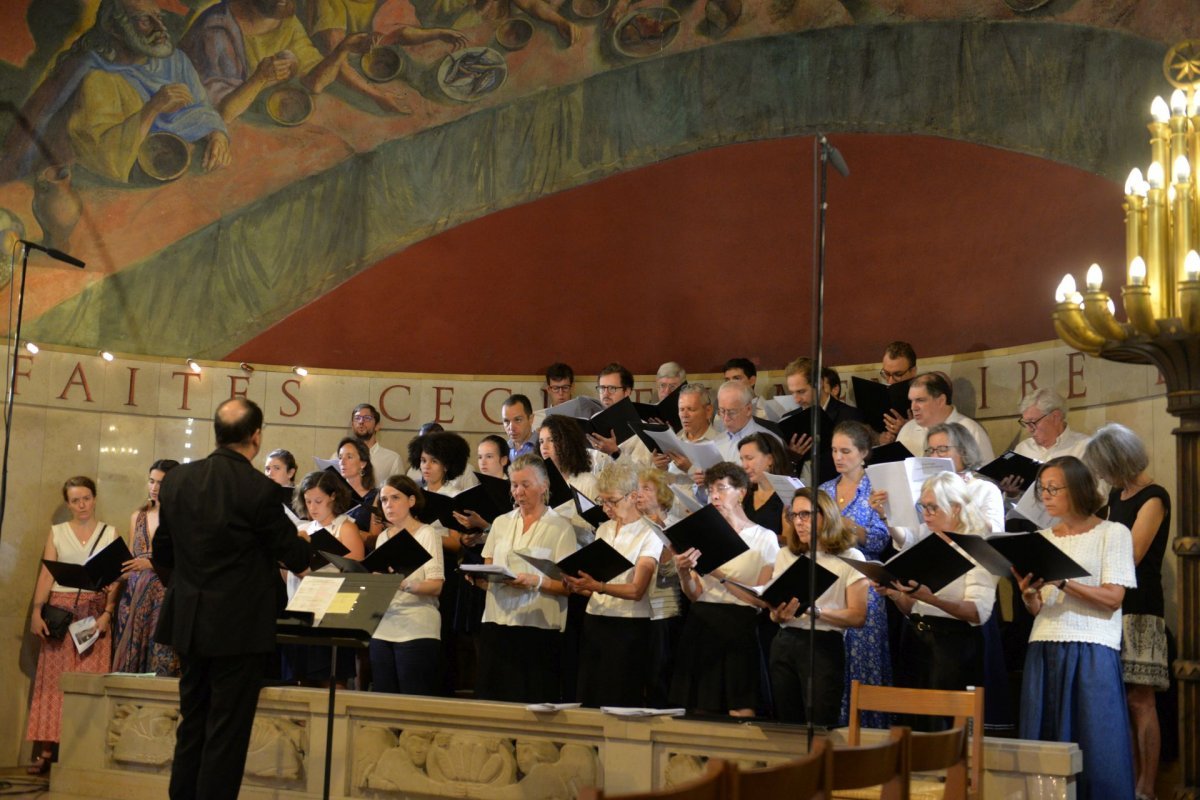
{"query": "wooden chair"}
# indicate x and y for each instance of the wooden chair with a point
(947, 750)
(719, 782)
(806, 778)
(965, 707)
(884, 765)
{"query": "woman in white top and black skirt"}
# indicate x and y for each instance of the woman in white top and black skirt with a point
(1072, 689)
(406, 651)
(718, 667)
(843, 605)
(523, 619)
(616, 628)
(941, 644)
(656, 502)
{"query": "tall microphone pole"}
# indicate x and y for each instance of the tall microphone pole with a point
(823, 154)
(10, 395)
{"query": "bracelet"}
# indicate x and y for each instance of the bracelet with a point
(1062, 585)
(538, 588)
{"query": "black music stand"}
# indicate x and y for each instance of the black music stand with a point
(352, 629)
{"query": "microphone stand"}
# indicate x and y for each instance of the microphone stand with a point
(10, 394)
(823, 153)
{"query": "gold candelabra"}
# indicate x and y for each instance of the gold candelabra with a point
(1161, 298)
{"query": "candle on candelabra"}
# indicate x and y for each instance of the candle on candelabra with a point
(1189, 292)
(1159, 276)
(1135, 214)
(1181, 234)
(1160, 131)
(1180, 126)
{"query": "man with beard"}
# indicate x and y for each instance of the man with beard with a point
(119, 82)
(364, 422)
(241, 47)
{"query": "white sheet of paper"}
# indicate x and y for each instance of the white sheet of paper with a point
(299, 523)
(314, 595)
(550, 707)
(902, 481)
(84, 633)
(623, 711)
(1029, 508)
(785, 486)
(490, 571)
(686, 499)
(326, 463)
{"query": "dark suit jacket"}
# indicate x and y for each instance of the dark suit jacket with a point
(223, 532)
(843, 412)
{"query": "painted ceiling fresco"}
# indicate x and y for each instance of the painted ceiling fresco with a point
(220, 166)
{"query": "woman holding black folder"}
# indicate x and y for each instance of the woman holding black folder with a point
(760, 454)
(717, 669)
(72, 542)
(616, 627)
(406, 648)
(1072, 688)
(842, 606)
(941, 643)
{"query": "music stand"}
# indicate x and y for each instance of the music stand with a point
(352, 629)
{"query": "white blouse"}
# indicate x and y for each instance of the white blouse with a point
(744, 568)
(72, 551)
(834, 598)
(550, 537)
(1106, 551)
(414, 616)
(634, 540)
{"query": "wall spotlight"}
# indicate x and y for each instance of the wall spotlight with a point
(194, 365)
(300, 371)
(247, 368)
(32, 348)
(107, 356)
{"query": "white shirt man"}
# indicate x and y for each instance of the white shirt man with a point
(364, 422)
(1044, 417)
(735, 407)
(929, 394)
(613, 384)
(695, 411)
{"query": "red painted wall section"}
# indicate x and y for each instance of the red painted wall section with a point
(952, 246)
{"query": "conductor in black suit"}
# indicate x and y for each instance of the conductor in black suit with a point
(223, 532)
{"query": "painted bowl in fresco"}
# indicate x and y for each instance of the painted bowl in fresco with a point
(589, 9)
(290, 105)
(382, 64)
(646, 31)
(514, 34)
(164, 156)
(472, 74)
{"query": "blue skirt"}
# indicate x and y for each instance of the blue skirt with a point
(1072, 692)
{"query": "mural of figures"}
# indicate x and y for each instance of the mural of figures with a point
(248, 157)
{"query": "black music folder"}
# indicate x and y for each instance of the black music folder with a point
(875, 399)
(1027, 552)
(931, 562)
(401, 554)
(591, 512)
(324, 542)
(489, 499)
(707, 531)
(889, 453)
(1011, 463)
(665, 410)
(577, 408)
(798, 422)
(598, 559)
(561, 492)
(440, 508)
(616, 420)
(792, 582)
(639, 429)
(104, 567)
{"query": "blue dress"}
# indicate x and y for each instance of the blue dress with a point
(867, 656)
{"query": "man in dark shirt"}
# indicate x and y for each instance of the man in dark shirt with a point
(223, 534)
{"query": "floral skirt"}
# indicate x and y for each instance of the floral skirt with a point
(57, 657)
(1144, 651)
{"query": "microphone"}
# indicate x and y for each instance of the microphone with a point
(57, 255)
(835, 156)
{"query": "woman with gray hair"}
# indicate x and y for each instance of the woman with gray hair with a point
(1117, 456)
(941, 646)
(520, 640)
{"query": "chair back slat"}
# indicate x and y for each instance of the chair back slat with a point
(884, 765)
(805, 778)
(719, 782)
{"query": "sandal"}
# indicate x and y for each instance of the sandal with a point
(40, 765)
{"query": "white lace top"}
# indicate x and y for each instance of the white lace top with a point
(1106, 551)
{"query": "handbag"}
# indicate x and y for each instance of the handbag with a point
(57, 621)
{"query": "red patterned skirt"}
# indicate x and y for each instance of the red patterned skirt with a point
(55, 658)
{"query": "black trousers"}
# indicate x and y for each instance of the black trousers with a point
(790, 675)
(938, 653)
(217, 700)
(519, 664)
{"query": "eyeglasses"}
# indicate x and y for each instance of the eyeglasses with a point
(604, 502)
(722, 487)
(928, 508)
(1052, 491)
(608, 389)
(1030, 424)
(798, 516)
(729, 412)
(564, 389)
(363, 418)
(939, 451)
(883, 373)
